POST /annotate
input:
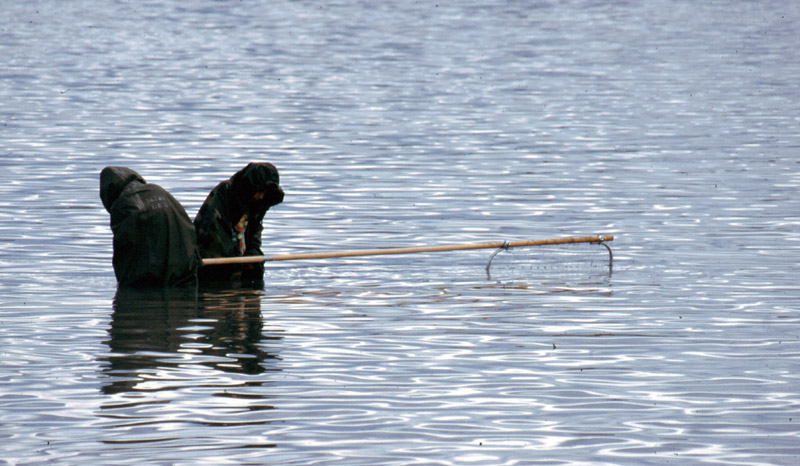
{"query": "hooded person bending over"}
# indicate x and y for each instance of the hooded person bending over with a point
(154, 240)
(229, 221)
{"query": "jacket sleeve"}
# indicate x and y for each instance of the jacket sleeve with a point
(214, 228)
(253, 241)
(133, 244)
(254, 238)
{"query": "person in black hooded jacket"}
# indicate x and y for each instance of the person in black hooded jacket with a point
(154, 239)
(229, 221)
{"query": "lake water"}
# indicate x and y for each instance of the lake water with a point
(674, 126)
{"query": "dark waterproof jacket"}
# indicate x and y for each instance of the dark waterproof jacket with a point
(154, 239)
(228, 223)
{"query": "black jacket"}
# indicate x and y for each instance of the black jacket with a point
(154, 239)
(229, 205)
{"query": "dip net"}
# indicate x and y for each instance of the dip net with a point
(580, 261)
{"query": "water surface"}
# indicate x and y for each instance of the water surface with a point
(672, 126)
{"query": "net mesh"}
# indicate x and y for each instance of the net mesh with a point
(553, 263)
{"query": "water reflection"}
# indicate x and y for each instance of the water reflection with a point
(178, 329)
(182, 361)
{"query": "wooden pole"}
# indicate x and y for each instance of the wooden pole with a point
(408, 250)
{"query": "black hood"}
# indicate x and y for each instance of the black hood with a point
(113, 180)
(257, 178)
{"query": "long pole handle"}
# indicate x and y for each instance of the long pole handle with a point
(408, 250)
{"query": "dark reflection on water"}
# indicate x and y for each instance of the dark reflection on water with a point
(183, 359)
(172, 328)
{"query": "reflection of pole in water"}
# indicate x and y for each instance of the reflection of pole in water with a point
(181, 330)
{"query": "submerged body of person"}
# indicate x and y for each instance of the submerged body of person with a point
(229, 223)
(155, 244)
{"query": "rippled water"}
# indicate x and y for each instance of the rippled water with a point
(671, 125)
